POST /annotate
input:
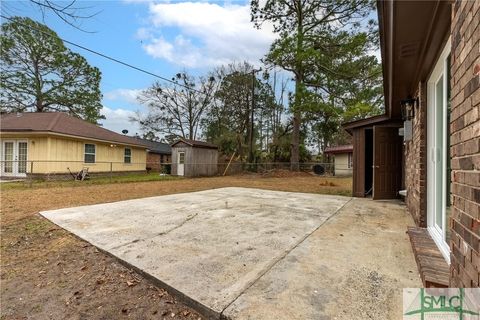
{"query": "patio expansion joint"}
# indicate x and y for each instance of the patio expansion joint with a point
(281, 257)
(187, 219)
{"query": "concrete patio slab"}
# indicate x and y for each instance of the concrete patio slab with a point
(212, 246)
(353, 267)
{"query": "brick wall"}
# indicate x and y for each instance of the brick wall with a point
(416, 162)
(465, 145)
(154, 161)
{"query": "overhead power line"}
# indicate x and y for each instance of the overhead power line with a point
(110, 58)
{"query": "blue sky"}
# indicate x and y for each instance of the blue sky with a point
(161, 37)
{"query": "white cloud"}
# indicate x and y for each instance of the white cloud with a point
(209, 34)
(160, 48)
(127, 95)
(137, 1)
(143, 34)
(118, 120)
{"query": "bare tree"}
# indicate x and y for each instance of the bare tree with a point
(177, 109)
(229, 121)
(70, 12)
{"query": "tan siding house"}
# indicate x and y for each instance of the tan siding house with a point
(54, 143)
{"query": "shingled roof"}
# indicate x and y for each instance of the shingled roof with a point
(339, 149)
(196, 143)
(155, 146)
(61, 123)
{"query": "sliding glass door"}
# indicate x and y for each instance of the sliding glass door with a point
(438, 152)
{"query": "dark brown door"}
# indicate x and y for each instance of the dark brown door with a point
(359, 142)
(387, 162)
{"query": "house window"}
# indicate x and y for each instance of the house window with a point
(181, 157)
(127, 157)
(350, 160)
(89, 153)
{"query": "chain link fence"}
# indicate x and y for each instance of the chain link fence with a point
(106, 170)
(317, 168)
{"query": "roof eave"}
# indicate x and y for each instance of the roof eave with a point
(45, 132)
(365, 122)
(412, 34)
(338, 152)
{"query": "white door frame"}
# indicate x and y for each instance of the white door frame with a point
(4, 162)
(15, 161)
(18, 173)
(437, 153)
(180, 164)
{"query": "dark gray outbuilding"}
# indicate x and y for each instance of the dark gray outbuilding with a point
(192, 158)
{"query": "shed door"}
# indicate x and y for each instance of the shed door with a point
(387, 164)
(181, 163)
(359, 146)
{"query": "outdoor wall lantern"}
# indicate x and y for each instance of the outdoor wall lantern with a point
(407, 108)
(408, 112)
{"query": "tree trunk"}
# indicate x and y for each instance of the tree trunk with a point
(248, 127)
(38, 88)
(38, 105)
(191, 134)
(239, 146)
(295, 145)
(297, 121)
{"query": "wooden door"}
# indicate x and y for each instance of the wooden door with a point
(359, 142)
(387, 162)
(181, 164)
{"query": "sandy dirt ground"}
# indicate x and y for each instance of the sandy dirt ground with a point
(47, 273)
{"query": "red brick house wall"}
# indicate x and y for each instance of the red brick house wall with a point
(166, 158)
(416, 162)
(465, 145)
(464, 223)
(155, 160)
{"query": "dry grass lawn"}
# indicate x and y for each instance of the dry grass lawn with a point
(47, 273)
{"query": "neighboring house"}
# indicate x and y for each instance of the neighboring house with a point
(431, 68)
(191, 158)
(39, 143)
(159, 154)
(342, 158)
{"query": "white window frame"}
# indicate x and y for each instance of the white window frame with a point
(350, 160)
(435, 154)
(85, 152)
(180, 155)
(125, 156)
